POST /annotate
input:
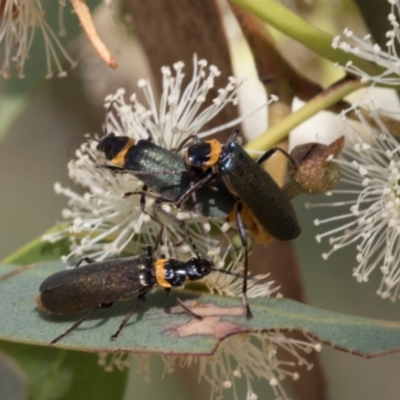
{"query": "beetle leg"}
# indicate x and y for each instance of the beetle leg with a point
(142, 202)
(141, 300)
(271, 152)
(75, 325)
(300, 160)
(202, 182)
(182, 304)
(233, 137)
(149, 194)
(87, 259)
(243, 237)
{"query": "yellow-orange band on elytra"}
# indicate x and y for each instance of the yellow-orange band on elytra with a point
(40, 304)
(215, 151)
(120, 158)
(257, 231)
(160, 273)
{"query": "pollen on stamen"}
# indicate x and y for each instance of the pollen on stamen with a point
(366, 182)
(273, 98)
(227, 384)
(273, 381)
(178, 66)
(225, 227)
(215, 70)
(166, 207)
(217, 101)
(236, 373)
(207, 227)
(318, 347)
(363, 171)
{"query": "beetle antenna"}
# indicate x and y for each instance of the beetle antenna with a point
(226, 272)
(237, 275)
(233, 136)
(107, 119)
(195, 138)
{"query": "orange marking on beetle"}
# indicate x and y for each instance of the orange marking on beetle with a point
(257, 231)
(119, 160)
(42, 307)
(215, 152)
(39, 303)
(160, 273)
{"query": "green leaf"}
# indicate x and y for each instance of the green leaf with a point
(60, 374)
(154, 330)
(39, 250)
(281, 129)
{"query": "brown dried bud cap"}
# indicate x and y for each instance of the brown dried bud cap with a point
(314, 172)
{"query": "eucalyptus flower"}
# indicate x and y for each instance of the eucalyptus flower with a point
(248, 357)
(102, 223)
(19, 22)
(386, 58)
(369, 216)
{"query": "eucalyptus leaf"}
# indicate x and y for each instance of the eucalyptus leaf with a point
(40, 250)
(154, 330)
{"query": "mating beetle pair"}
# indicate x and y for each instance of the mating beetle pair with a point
(218, 181)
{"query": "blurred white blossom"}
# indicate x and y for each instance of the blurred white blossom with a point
(19, 22)
(369, 216)
(386, 58)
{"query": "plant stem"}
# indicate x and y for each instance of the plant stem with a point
(320, 102)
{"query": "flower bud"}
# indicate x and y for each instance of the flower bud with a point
(313, 171)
